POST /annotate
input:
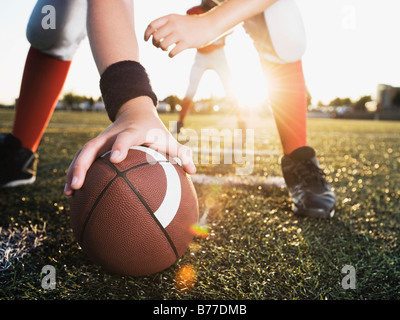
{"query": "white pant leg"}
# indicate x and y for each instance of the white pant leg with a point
(64, 40)
(200, 65)
(279, 33)
(219, 64)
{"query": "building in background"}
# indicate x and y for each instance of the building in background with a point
(387, 98)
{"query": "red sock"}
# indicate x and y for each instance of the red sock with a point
(287, 92)
(42, 82)
(186, 105)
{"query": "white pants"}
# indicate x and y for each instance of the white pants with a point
(216, 61)
(64, 40)
(278, 33)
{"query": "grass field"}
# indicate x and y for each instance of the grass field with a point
(256, 248)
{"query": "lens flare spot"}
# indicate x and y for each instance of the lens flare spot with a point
(210, 202)
(199, 230)
(185, 278)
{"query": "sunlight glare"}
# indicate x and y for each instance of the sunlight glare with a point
(249, 83)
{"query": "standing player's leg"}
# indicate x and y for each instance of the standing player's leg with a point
(279, 37)
(197, 71)
(41, 85)
(287, 94)
(46, 68)
(221, 67)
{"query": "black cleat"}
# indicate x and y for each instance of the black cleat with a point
(17, 164)
(311, 193)
(177, 128)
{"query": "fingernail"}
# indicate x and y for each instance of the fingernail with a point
(74, 181)
(192, 168)
(115, 155)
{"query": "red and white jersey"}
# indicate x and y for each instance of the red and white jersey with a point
(209, 4)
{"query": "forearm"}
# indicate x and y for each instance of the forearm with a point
(232, 12)
(111, 32)
(113, 41)
(126, 92)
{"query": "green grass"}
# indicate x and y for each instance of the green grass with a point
(256, 248)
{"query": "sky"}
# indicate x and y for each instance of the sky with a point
(352, 46)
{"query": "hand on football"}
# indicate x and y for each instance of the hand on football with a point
(137, 123)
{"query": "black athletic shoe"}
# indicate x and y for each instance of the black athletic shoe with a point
(177, 128)
(17, 164)
(311, 193)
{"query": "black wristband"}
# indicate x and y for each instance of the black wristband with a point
(123, 81)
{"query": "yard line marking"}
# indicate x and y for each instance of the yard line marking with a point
(358, 134)
(16, 243)
(260, 152)
(238, 180)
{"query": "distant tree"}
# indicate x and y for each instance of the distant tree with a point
(360, 104)
(340, 102)
(71, 99)
(309, 98)
(172, 100)
(91, 101)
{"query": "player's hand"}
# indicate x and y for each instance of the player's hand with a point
(182, 31)
(137, 123)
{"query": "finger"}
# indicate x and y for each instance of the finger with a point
(168, 41)
(153, 26)
(67, 189)
(170, 146)
(160, 35)
(121, 146)
(186, 156)
(179, 47)
(81, 164)
(155, 42)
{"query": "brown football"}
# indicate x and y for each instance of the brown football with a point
(135, 217)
